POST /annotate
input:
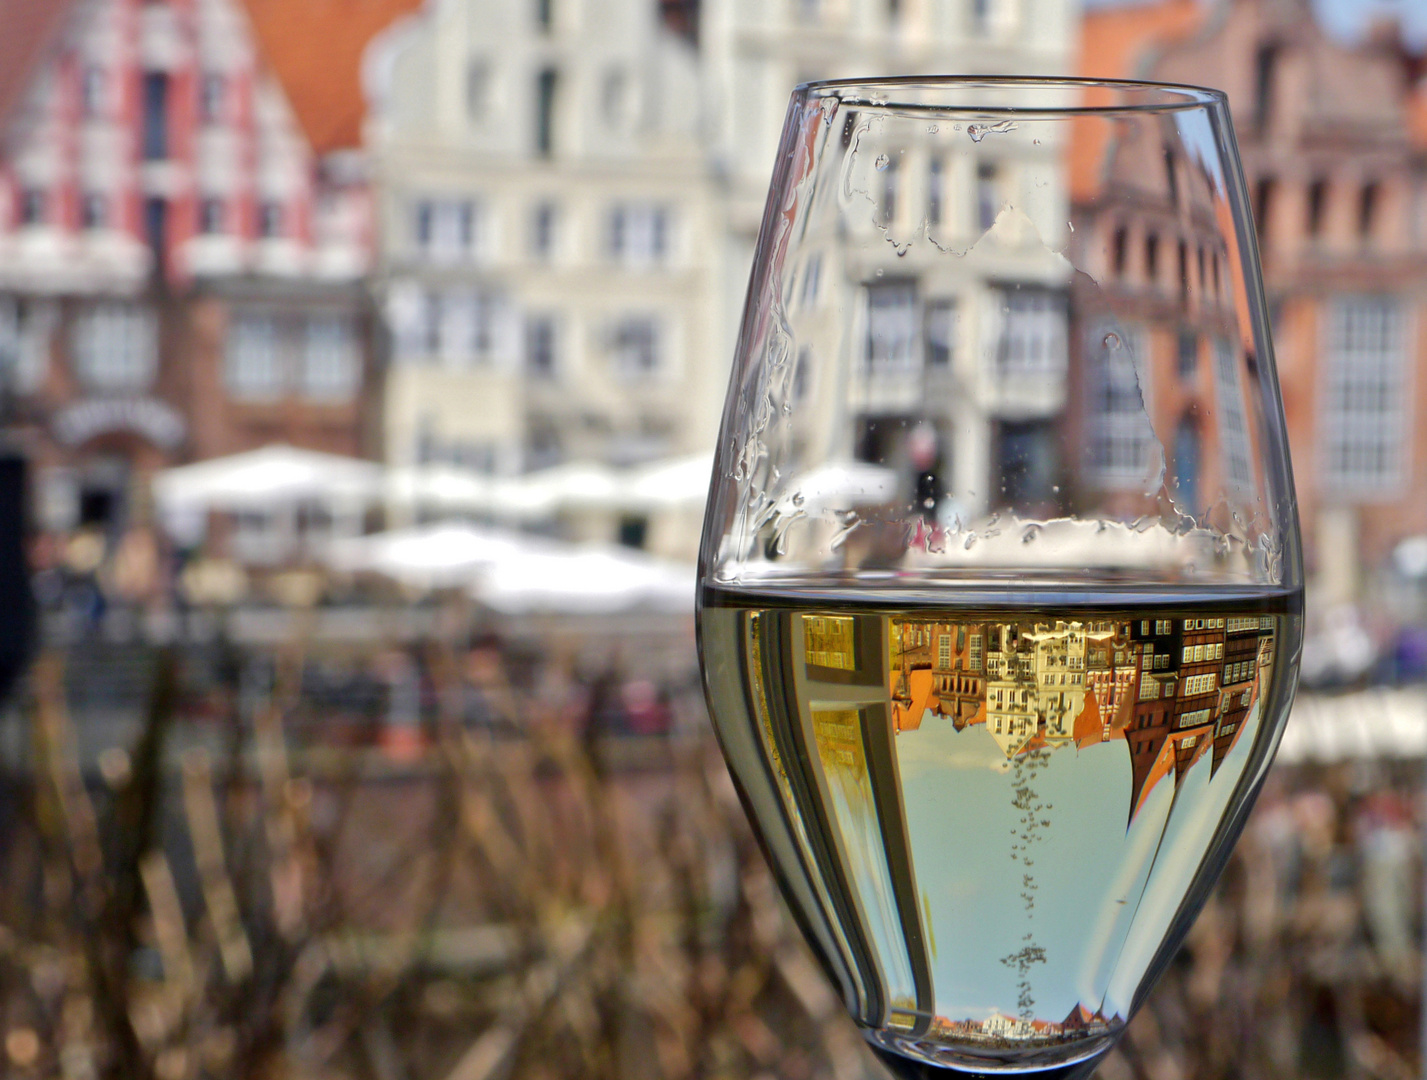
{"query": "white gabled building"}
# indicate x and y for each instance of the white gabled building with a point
(545, 224)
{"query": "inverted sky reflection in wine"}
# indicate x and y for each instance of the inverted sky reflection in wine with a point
(992, 815)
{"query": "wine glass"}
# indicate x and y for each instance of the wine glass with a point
(1000, 583)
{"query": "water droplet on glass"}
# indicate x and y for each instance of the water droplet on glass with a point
(928, 503)
(799, 498)
(879, 272)
(1035, 142)
(1112, 340)
(980, 131)
(1055, 488)
(931, 129)
(882, 162)
(829, 106)
(1071, 224)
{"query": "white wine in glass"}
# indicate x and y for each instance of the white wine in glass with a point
(1000, 585)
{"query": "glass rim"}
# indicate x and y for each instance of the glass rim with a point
(880, 93)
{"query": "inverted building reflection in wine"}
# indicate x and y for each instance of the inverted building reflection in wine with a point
(919, 755)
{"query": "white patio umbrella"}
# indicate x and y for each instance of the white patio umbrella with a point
(428, 556)
(443, 487)
(584, 580)
(540, 494)
(678, 482)
(260, 479)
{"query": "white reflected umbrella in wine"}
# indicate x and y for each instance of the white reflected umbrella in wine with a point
(1000, 585)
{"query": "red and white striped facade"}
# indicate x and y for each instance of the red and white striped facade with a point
(152, 128)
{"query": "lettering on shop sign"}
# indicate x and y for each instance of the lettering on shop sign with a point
(155, 421)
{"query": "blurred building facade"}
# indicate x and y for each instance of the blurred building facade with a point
(1332, 148)
(568, 219)
(181, 274)
(545, 216)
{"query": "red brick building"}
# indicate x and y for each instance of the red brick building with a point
(1332, 139)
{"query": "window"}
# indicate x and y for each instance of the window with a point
(32, 207)
(812, 278)
(1265, 63)
(211, 216)
(936, 180)
(1186, 464)
(94, 211)
(1171, 176)
(1367, 209)
(445, 229)
(636, 347)
(1122, 442)
(212, 96)
(1120, 249)
(331, 360)
(115, 348)
(1183, 272)
(1263, 206)
(980, 16)
(943, 651)
(940, 322)
(94, 91)
(542, 231)
(545, 86)
(1188, 353)
(270, 220)
(155, 116)
(1233, 421)
(254, 368)
(1152, 260)
(462, 327)
(615, 98)
(892, 328)
(1317, 201)
(1026, 460)
(478, 89)
(974, 653)
(891, 182)
(988, 200)
(26, 330)
(638, 234)
(1033, 341)
(156, 229)
(1364, 420)
(540, 346)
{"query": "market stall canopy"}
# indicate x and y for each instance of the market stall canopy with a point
(585, 580)
(428, 556)
(273, 476)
